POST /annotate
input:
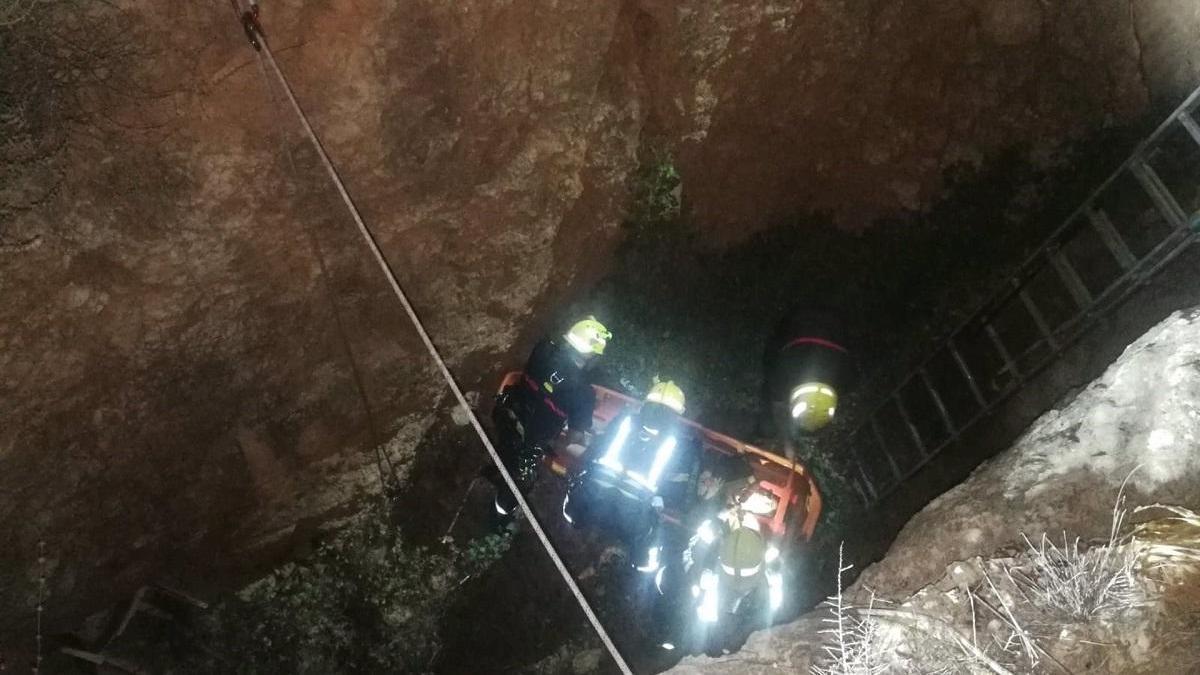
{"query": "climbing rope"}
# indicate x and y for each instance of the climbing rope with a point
(383, 463)
(259, 41)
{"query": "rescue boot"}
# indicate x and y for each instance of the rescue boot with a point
(504, 509)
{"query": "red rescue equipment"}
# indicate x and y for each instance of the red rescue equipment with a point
(797, 501)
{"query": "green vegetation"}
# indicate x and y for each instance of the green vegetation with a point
(657, 188)
(365, 602)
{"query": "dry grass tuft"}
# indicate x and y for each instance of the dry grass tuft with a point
(1170, 545)
(1041, 608)
(1082, 583)
(1170, 554)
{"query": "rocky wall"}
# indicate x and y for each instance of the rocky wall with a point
(1131, 433)
(186, 312)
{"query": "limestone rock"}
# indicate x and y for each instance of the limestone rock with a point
(1010, 23)
(1062, 476)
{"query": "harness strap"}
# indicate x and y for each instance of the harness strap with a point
(532, 384)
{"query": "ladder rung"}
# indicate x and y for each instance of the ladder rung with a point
(862, 494)
(937, 401)
(1009, 364)
(90, 657)
(1038, 319)
(1089, 304)
(1163, 200)
(1111, 238)
(883, 448)
(1070, 278)
(181, 596)
(1189, 123)
(912, 429)
(966, 372)
(864, 480)
(874, 494)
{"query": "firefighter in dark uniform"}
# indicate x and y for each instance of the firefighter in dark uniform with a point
(553, 393)
(806, 367)
(644, 463)
(730, 565)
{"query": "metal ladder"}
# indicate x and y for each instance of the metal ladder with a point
(1138, 220)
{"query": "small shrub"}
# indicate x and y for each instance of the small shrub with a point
(366, 601)
(657, 187)
(854, 646)
(482, 553)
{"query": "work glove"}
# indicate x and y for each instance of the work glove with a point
(657, 503)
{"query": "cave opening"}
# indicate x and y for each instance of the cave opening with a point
(212, 398)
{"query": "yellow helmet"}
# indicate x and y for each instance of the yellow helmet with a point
(667, 393)
(813, 405)
(741, 555)
(588, 336)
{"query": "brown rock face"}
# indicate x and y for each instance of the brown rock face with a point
(175, 350)
(1009, 23)
(857, 108)
(184, 302)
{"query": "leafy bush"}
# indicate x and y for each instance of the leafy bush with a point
(366, 601)
(657, 187)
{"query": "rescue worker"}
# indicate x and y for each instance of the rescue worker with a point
(744, 562)
(643, 464)
(553, 393)
(730, 569)
(806, 368)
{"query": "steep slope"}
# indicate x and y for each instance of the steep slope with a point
(1137, 425)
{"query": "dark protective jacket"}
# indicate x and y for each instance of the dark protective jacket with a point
(553, 393)
(616, 493)
(808, 344)
(677, 481)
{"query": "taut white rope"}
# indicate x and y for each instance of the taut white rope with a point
(385, 267)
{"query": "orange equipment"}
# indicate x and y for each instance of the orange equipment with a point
(797, 501)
